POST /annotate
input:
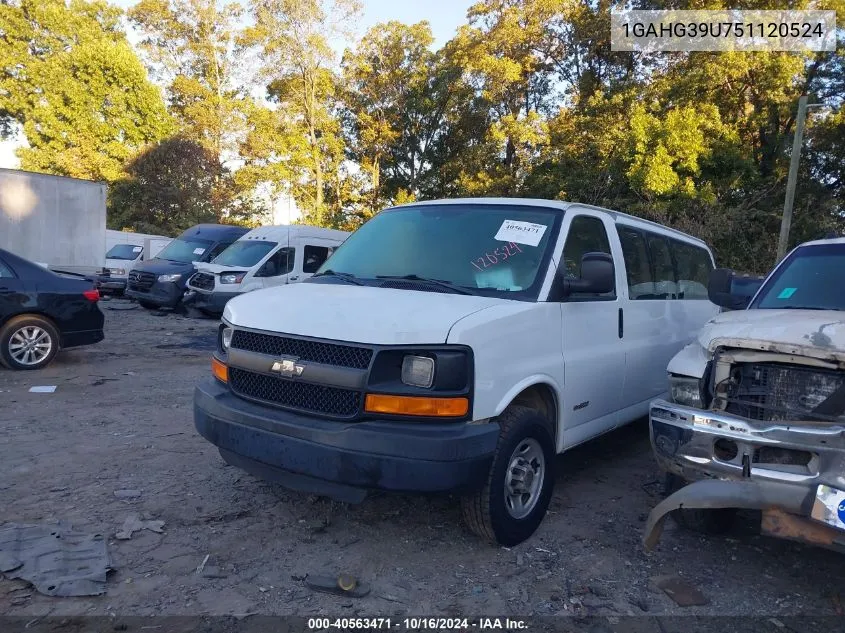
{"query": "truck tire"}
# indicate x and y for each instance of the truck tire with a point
(513, 501)
(33, 330)
(717, 521)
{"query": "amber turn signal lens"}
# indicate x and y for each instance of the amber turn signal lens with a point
(415, 405)
(220, 371)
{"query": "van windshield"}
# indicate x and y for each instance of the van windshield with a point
(488, 249)
(245, 253)
(810, 279)
(125, 251)
(185, 251)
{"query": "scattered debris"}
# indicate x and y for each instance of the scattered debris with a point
(201, 566)
(43, 389)
(101, 381)
(127, 494)
(129, 373)
(55, 559)
(681, 591)
(342, 585)
(133, 523)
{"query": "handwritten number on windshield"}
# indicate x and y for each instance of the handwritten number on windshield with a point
(499, 254)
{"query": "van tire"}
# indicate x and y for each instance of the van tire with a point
(486, 511)
(28, 321)
(716, 521)
(147, 305)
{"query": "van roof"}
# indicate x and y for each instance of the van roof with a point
(283, 232)
(829, 240)
(562, 205)
(215, 231)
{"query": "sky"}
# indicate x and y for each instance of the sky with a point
(444, 16)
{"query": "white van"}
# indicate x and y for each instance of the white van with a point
(456, 345)
(123, 250)
(265, 257)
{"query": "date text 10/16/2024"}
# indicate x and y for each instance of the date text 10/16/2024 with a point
(416, 624)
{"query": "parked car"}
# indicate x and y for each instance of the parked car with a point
(160, 282)
(42, 312)
(265, 257)
(455, 345)
(756, 417)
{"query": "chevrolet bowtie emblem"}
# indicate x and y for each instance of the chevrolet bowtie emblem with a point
(287, 367)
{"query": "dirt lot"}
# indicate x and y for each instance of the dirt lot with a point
(121, 418)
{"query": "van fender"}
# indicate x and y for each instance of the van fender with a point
(250, 287)
(522, 385)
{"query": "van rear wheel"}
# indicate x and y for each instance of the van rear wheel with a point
(514, 500)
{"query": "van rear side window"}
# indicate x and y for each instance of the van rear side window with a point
(637, 264)
(693, 266)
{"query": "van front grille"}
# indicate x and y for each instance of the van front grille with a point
(302, 349)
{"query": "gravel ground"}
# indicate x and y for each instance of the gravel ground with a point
(121, 419)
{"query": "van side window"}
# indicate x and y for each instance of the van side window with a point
(315, 256)
(279, 263)
(693, 266)
(665, 282)
(637, 264)
(586, 235)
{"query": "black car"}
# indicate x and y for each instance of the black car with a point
(160, 282)
(42, 311)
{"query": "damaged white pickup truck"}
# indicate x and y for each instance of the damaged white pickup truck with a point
(757, 417)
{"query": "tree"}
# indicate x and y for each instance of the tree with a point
(293, 39)
(192, 46)
(173, 186)
(77, 88)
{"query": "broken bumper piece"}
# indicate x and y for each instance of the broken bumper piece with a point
(791, 471)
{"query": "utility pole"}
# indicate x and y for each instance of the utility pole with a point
(786, 220)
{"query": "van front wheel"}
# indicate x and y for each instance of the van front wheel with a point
(514, 500)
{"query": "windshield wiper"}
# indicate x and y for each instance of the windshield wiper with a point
(345, 276)
(442, 283)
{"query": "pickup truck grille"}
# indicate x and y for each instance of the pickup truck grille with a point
(203, 281)
(302, 396)
(141, 281)
(774, 392)
(313, 351)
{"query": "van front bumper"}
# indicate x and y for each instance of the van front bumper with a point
(163, 294)
(110, 283)
(790, 471)
(343, 460)
(213, 302)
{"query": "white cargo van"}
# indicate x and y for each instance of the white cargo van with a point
(123, 250)
(265, 257)
(456, 345)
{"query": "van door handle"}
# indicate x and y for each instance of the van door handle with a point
(621, 324)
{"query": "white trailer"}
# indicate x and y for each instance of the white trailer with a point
(53, 220)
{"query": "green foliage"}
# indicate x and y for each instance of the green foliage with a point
(81, 94)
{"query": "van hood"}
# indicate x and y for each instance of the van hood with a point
(163, 267)
(815, 333)
(216, 269)
(356, 314)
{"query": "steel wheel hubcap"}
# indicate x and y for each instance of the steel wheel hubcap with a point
(524, 478)
(30, 345)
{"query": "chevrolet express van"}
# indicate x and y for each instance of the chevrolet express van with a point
(265, 257)
(160, 282)
(455, 345)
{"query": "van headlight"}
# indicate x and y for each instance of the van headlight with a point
(226, 337)
(418, 371)
(685, 391)
(232, 278)
(117, 271)
(169, 278)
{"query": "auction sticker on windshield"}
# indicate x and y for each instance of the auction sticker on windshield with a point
(137, 249)
(829, 506)
(526, 233)
(199, 251)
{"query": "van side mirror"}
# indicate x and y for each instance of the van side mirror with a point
(720, 288)
(597, 276)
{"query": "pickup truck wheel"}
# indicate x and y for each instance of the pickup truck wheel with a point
(718, 521)
(28, 342)
(514, 500)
